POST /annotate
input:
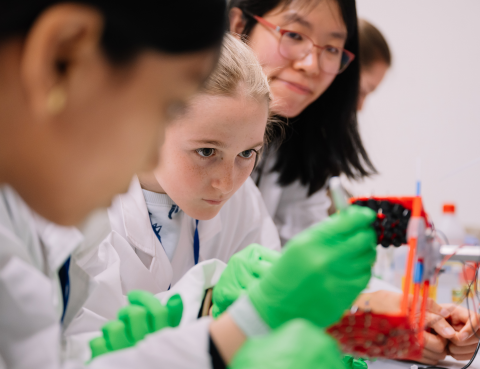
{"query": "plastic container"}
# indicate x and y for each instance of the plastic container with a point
(450, 226)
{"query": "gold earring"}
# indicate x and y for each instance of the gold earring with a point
(56, 100)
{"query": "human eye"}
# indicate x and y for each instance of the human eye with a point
(205, 152)
(332, 50)
(247, 154)
(294, 36)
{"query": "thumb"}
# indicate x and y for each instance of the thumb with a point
(351, 219)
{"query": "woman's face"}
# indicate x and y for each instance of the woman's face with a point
(209, 153)
(370, 78)
(296, 84)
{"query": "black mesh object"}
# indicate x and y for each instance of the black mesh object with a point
(172, 26)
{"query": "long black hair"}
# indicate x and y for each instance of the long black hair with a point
(323, 140)
(177, 26)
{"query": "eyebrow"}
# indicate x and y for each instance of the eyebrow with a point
(211, 142)
(258, 144)
(297, 18)
(221, 144)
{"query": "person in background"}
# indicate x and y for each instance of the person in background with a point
(309, 51)
(375, 59)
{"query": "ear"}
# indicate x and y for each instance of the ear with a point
(237, 22)
(61, 37)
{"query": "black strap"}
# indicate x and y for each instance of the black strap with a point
(217, 361)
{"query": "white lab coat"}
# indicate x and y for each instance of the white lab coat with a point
(31, 252)
(116, 269)
(290, 207)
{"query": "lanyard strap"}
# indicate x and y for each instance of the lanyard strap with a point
(196, 244)
(65, 284)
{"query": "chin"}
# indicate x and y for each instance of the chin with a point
(287, 107)
(201, 214)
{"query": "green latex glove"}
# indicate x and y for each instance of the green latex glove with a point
(321, 272)
(351, 363)
(243, 269)
(297, 344)
(145, 315)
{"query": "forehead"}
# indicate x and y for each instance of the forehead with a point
(223, 118)
(315, 16)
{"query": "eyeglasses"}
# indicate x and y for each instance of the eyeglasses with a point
(296, 46)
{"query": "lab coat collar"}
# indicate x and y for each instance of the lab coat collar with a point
(208, 229)
(138, 229)
(59, 241)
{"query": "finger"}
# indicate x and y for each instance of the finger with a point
(359, 364)
(260, 267)
(471, 326)
(269, 255)
(135, 319)
(435, 308)
(157, 313)
(460, 315)
(98, 346)
(440, 325)
(433, 343)
(360, 248)
(347, 221)
(462, 357)
(115, 333)
(470, 341)
(348, 361)
(430, 357)
(175, 310)
(461, 350)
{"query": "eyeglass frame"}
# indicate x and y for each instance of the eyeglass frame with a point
(282, 31)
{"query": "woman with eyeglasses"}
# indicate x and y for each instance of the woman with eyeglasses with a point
(308, 50)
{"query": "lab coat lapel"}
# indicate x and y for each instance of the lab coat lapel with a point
(269, 188)
(59, 244)
(138, 231)
(183, 258)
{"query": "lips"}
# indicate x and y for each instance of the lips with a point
(213, 202)
(296, 87)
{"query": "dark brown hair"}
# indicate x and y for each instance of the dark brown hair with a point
(373, 46)
(323, 140)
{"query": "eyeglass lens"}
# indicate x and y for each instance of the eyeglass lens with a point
(295, 46)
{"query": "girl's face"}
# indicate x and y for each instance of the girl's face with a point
(295, 84)
(209, 153)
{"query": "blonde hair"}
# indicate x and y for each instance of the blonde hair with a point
(239, 72)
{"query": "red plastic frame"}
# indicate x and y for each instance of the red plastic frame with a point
(282, 31)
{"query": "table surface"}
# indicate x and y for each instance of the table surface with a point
(449, 363)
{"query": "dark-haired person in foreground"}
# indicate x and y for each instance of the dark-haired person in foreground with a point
(86, 91)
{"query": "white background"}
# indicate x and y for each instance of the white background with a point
(428, 105)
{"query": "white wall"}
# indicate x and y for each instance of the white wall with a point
(428, 105)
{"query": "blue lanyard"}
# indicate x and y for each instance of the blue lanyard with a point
(196, 244)
(196, 239)
(65, 284)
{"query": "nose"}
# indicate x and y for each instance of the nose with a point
(224, 178)
(310, 63)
